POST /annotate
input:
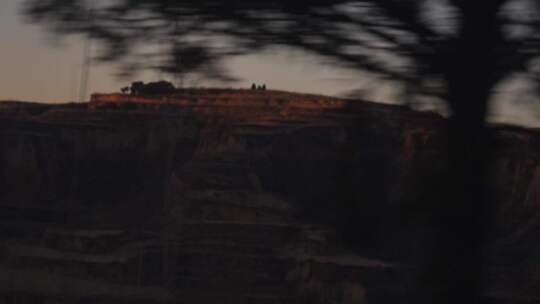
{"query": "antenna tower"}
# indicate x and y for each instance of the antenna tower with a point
(87, 60)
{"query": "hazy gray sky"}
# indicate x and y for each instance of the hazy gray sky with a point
(33, 68)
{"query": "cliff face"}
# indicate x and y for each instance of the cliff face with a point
(244, 197)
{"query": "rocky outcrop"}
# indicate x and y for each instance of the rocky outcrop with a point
(237, 196)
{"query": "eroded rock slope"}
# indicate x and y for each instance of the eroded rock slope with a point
(236, 197)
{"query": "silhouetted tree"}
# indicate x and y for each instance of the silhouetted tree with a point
(455, 50)
(152, 88)
(124, 90)
(253, 86)
(159, 88)
(137, 87)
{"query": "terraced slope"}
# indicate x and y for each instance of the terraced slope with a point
(233, 197)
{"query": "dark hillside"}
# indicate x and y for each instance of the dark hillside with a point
(240, 197)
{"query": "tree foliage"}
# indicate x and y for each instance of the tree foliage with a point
(457, 50)
(152, 88)
(413, 41)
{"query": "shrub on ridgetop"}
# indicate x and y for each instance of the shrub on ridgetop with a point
(152, 88)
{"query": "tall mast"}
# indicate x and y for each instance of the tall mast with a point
(87, 60)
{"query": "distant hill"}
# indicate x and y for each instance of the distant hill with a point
(239, 196)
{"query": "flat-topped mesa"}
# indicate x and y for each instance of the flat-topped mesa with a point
(257, 106)
(239, 98)
(243, 194)
(232, 98)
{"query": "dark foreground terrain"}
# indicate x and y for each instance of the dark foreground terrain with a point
(241, 197)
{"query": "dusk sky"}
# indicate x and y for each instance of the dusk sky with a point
(34, 67)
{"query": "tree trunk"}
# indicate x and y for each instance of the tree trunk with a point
(453, 269)
(460, 214)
